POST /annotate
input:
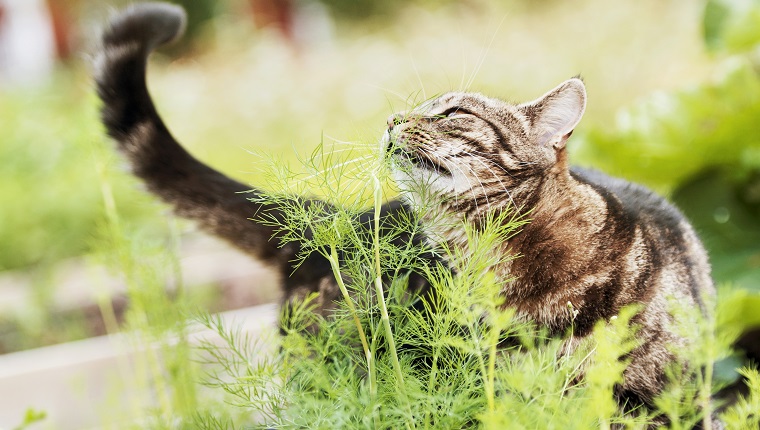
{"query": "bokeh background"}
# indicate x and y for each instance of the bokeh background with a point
(673, 103)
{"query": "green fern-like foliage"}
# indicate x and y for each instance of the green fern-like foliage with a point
(458, 359)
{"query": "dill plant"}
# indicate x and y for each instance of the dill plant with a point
(454, 358)
(157, 358)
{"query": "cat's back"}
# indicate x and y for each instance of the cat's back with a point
(636, 201)
(671, 239)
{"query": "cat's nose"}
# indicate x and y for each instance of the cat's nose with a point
(396, 119)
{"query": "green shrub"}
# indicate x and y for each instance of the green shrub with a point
(444, 364)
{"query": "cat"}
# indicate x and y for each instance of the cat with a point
(593, 243)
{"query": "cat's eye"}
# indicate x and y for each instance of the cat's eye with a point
(448, 113)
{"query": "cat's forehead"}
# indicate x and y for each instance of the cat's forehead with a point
(470, 101)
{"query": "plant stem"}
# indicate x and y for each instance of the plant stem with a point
(490, 387)
(486, 380)
(112, 218)
(379, 289)
(159, 380)
(381, 299)
(706, 385)
(431, 381)
(335, 265)
(105, 304)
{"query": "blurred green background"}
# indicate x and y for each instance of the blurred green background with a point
(673, 87)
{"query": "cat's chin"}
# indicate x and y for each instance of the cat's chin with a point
(386, 143)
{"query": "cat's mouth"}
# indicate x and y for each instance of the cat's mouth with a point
(419, 159)
(414, 156)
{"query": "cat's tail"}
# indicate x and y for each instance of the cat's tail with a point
(121, 61)
(195, 190)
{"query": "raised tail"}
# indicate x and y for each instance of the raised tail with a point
(195, 190)
(121, 62)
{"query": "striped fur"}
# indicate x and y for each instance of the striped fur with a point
(596, 242)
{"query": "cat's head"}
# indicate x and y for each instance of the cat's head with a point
(468, 146)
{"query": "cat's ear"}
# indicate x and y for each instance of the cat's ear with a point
(554, 115)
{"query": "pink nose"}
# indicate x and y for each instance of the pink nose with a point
(396, 119)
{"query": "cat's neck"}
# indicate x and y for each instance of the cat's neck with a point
(562, 235)
(560, 201)
(557, 205)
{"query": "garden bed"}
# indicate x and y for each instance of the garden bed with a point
(55, 352)
(85, 383)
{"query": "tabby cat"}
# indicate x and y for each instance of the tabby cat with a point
(594, 242)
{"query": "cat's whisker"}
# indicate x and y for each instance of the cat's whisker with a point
(484, 55)
(469, 184)
(495, 164)
(329, 170)
(343, 142)
(349, 147)
(482, 187)
(419, 78)
(483, 162)
(387, 90)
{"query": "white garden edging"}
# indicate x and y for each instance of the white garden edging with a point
(87, 383)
